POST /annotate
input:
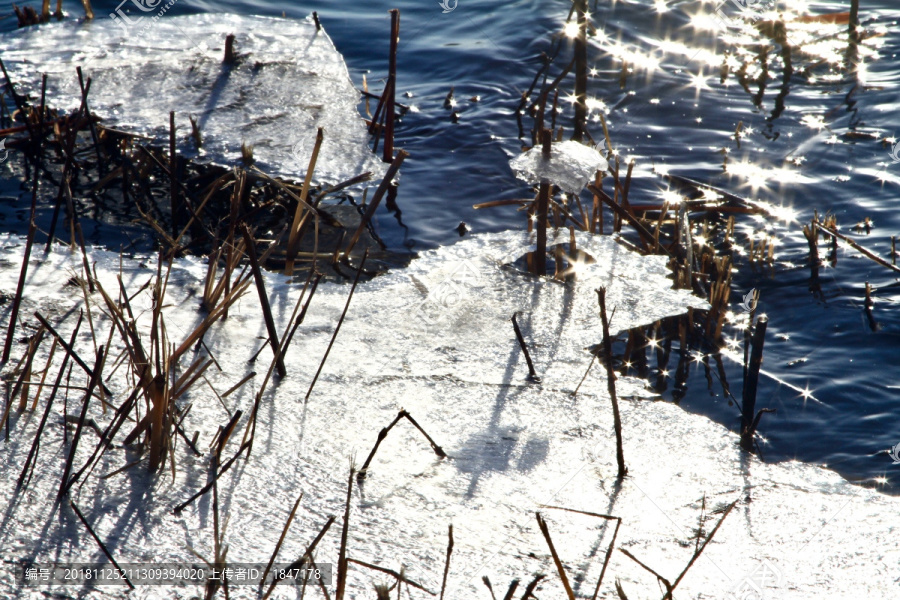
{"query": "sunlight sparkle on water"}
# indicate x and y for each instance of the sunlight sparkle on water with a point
(660, 6)
(698, 82)
(570, 29)
(670, 196)
(816, 122)
(709, 195)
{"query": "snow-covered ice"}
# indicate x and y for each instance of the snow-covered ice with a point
(435, 339)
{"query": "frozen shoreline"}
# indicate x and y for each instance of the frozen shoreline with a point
(513, 446)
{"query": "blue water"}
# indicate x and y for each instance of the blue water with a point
(665, 117)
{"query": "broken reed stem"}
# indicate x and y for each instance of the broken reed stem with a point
(447, 562)
(606, 558)
(857, 247)
(383, 434)
(64, 483)
(173, 184)
(647, 238)
(659, 577)
(611, 383)
(376, 198)
(699, 551)
(750, 383)
(264, 300)
(609, 550)
(209, 485)
(388, 151)
(543, 201)
(580, 72)
(299, 216)
(20, 287)
(342, 553)
(99, 542)
(400, 577)
(532, 374)
(284, 531)
(35, 445)
(559, 567)
(68, 348)
(339, 323)
(22, 383)
(302, 560)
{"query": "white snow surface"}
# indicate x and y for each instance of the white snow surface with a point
(435, 339)
(289, 80)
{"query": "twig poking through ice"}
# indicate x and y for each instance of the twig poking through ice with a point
(342, 553)
(447, 563)
(209, 485)
(611, 383)
(532, 374)
(264, 301)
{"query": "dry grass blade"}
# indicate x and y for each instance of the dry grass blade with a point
(376, 198)
(69, 350)
(299, 215)
(612, 543)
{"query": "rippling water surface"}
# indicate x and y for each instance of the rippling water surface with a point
(818, 138)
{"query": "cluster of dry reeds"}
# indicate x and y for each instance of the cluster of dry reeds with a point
(206, 209)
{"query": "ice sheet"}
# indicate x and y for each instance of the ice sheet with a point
(436, 340)
(289, 80)
(571, 165)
